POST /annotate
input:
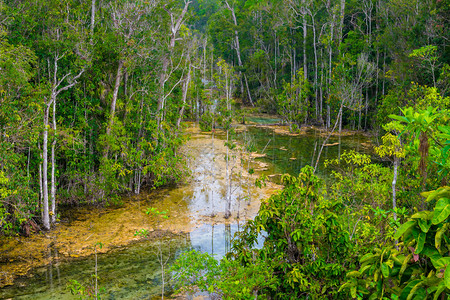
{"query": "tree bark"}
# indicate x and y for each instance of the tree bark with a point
(339, 116)
(330, 49)
(164, 76)
(341, 24)
(238, 50)
(228, 187)
(92, 19)
(45, 214)
(305, 34)
(185, 91)
(394, 182)
(54, 94)
(53, 178)
(114, 98)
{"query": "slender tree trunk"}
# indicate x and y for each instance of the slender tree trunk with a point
(46, 218)
(92, 19)
(339, 116)
(238, 49)
(53, 179)
(330, 69)
(112, 110)
(41, 191)
(161, 98)
(275, 58)
(316, 70)
(228, 189)
(185, 91)
(367, 109)
(321, 87)
(384, 73)
(394, 182)
(213, 170)
(341, 24)
(377, 78)
(305, 34)
(176, 23)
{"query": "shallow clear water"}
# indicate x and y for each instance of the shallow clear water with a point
(130, 273)
(289, 154)
(134, 272)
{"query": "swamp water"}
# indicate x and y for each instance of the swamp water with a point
(131, 269)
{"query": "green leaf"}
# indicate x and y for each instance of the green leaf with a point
(347, 284)
(424, 225)
(443, 262)
(441, 211)
(439, 291)
(353, 291)
(353, 274)
(432, 254)
(403, 228)
(420, 242)
(407, 289)
(399, 118)
(447, 277)
(425, 215)
(437, 194)
(364, 269)
(366, 257)
(385, 270)
(404, 265)
(439, 234)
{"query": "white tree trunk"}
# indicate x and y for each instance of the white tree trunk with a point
(53, 179)
(394, 182)
(238, 49)
(112, 110)
(54, 93)
(185, 91)
(305, 34)
(92, 19)
(45, 214)
(227, 188)
(341, 24)
(41, 192)
(165, 73)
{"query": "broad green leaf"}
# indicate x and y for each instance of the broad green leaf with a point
(421, 215)
(366, 257)
(402, 229)
(407, 289)
(437, 194)
(404, 265)
(447, 277)
(420, 242)
(433, 254)
(443, 262)
(347, 284)
(439, 291)
(399, 118)
(353, 274)
(364, 269)
(353, 291)
(441, 211)
(385, 270)
(424, 225)
(439, 234)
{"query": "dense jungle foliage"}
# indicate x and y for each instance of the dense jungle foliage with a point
(93, 93)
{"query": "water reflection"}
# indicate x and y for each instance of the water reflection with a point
(289, 154)
(217, 239)
(131, 273)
